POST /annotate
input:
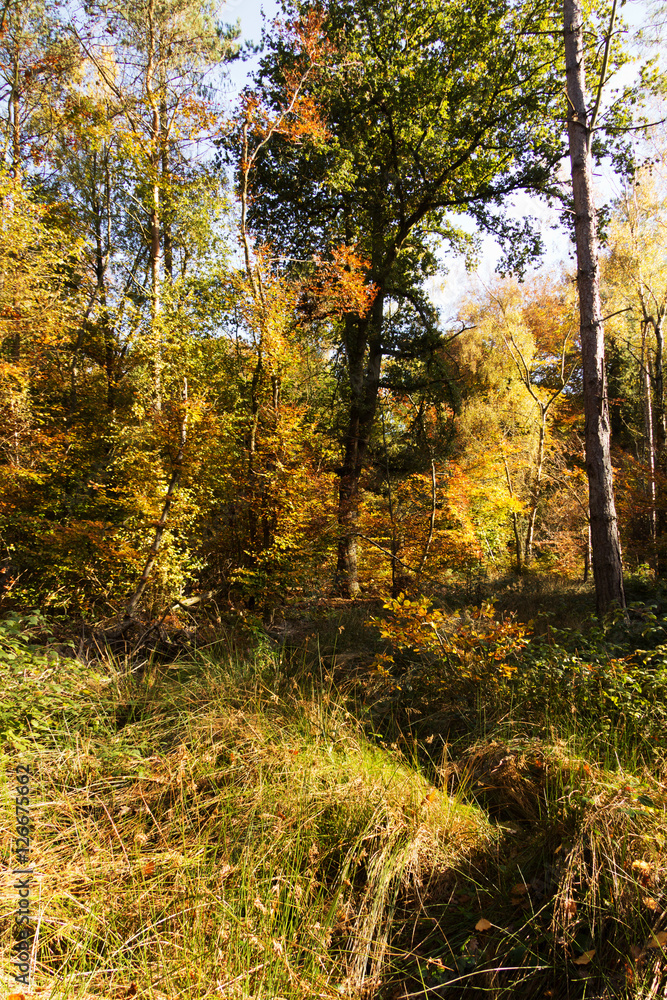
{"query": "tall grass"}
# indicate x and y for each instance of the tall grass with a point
(226, 833)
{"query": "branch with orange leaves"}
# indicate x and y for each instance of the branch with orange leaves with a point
(297, 118)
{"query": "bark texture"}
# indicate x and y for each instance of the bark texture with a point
(364, 359)
(606, 547)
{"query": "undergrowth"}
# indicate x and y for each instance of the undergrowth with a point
(226, 833)
(479, 815)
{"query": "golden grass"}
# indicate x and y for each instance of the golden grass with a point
(231, 842)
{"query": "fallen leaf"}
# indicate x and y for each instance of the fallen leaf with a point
(520, 889)
(148, 869)
(585, 958)
(483, 924)
(643, 871)
(16, 996)
(650, 903)
(658, 940)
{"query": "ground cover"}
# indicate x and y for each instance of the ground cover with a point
(311, 808)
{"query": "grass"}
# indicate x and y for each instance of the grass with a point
(224, 835)
(249, 825)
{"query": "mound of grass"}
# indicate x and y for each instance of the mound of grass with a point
(229, 834)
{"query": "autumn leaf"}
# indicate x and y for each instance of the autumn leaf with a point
(643, 871)
(585, 959)
(148, 869)
(658, 940)
(483, 924)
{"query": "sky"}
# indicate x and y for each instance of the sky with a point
(445, 290)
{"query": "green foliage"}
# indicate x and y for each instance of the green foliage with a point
(44, 686)
(606, 682)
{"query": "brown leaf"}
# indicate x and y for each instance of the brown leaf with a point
(585, 958)
(650, 903)
(643, 871)
(570, 909)
(520, 889)
(483, 924)
(148, 869)
(658, 940)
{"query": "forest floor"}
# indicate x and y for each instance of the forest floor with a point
(277, 814)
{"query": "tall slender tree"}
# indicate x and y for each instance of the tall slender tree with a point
(605, 540)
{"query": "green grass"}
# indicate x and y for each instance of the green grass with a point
(228, 834)
(249, 825)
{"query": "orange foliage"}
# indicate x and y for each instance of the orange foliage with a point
(477, 644)
(340, 286)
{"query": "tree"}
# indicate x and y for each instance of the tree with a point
(522, 348)
(433, 109)
(36, 59)
(634, 270)
(152, 57)
(605, 540)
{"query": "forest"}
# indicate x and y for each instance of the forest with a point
(333, 606)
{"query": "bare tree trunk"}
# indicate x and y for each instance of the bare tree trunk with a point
(659, 390)
(607, 561)
(156, 287)
(166, 195)
(588, 558)
(537, 487)
(155, 206)
(515, 522)
(399, 580)
(16, 118)
(650, 451)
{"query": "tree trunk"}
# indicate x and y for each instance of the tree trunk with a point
(166, 196)
(649, 450)
(156, 284)
(536, 491)
(606, 547)
(364, 373)
(659, 391)
(588, 556)
(515, 522)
